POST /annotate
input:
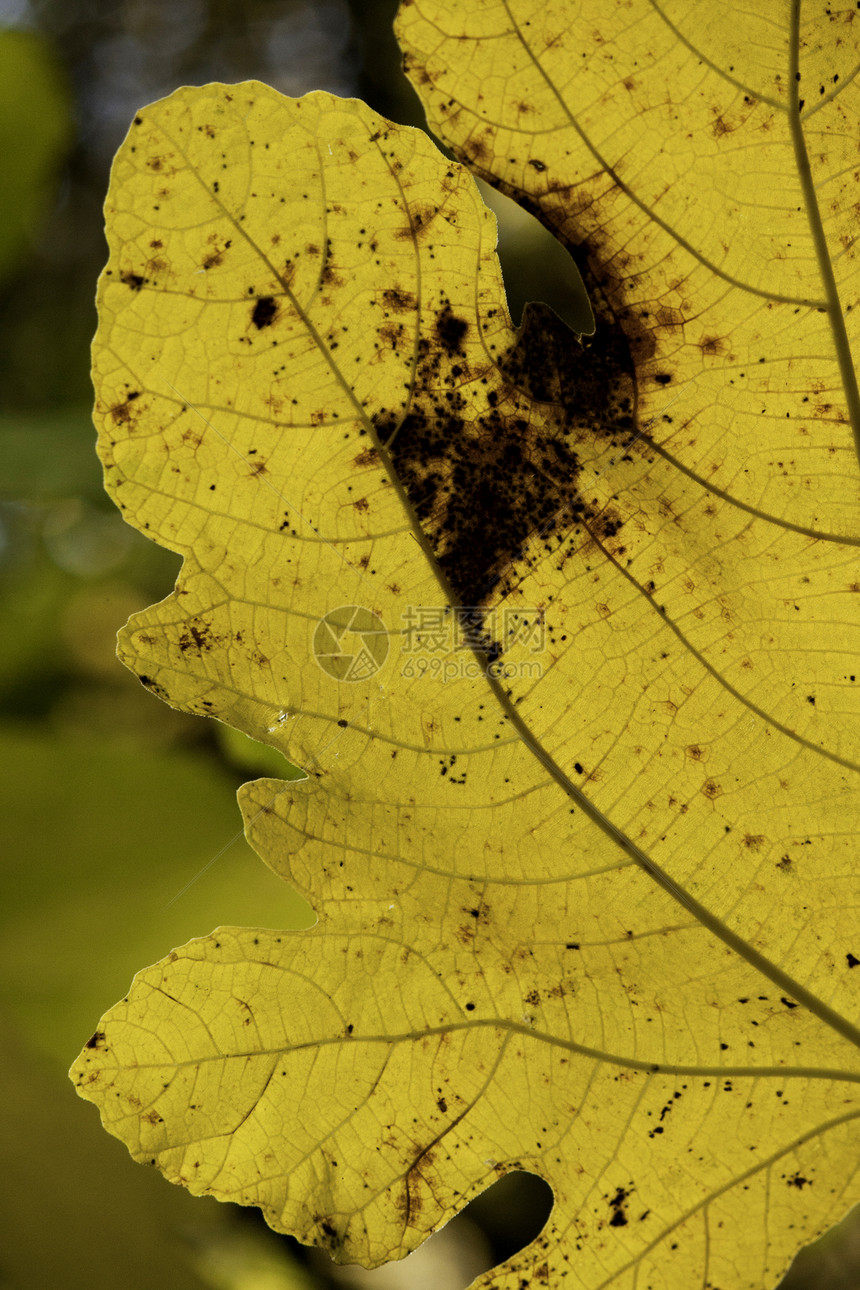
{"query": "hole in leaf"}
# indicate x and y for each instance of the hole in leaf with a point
(536, 266)
(830, 1263)
(511, 1213)
(492, 1228)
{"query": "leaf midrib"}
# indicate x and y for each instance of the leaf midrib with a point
(507, 1027)
(835, 314)
(782, 979)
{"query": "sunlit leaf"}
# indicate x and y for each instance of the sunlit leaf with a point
(586, 883)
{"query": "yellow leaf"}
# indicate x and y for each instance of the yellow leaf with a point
(585, 877)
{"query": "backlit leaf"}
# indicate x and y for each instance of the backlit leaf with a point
(586, 884)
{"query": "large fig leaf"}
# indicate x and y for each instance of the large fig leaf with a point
(572, 685)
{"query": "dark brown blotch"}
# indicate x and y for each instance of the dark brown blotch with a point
(264, 312)
(450, 330)
(399, 301)
(216, 256)
(330, 278)
(198, 637)
(616, 1204)
(367, 457)
(151, 684)
(121, 412)
(494, 480)
(420, 220)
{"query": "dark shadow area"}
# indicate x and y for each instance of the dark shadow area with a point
(535, 265)
(830, 1263)
(511, 1213)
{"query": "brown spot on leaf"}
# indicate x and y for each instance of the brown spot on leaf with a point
(391, 334)
(411, 1200)
(153, 685)
(330, 278)
(616, 1204)
(497, 486)
(328, 1230)
(476, 150)
(399, 301)
(420, 220)
(216, 256)
(121, 412)
(450, 330)
(198, 637)
(483, 487)
(264, 312)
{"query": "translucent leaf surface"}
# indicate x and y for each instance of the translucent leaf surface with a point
(586, 882)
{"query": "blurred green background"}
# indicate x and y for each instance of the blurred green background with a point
(113, 803)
